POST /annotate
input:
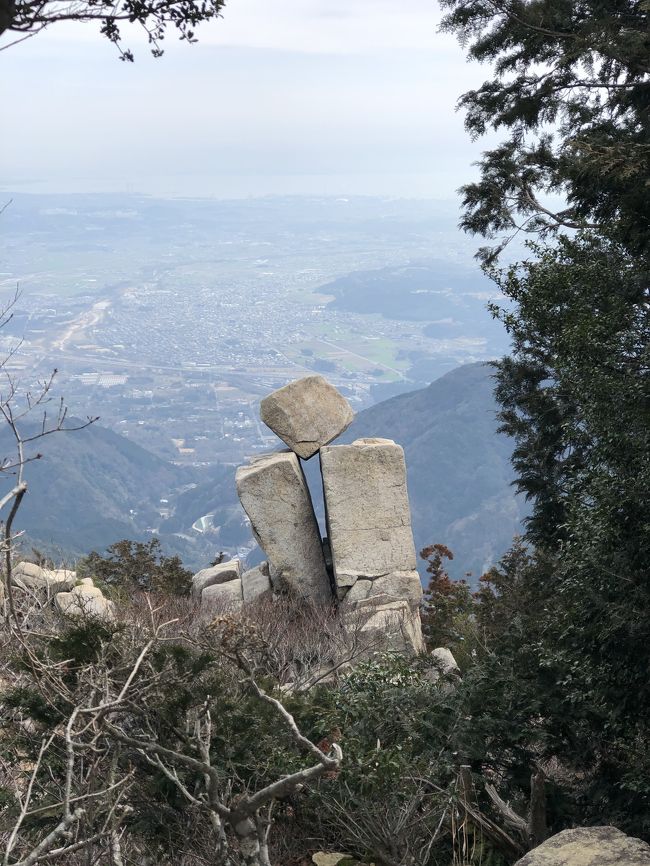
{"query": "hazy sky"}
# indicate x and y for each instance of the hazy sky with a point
(315, 96)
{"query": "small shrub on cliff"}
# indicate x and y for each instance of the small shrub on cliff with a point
(136, 565)
(447, 606)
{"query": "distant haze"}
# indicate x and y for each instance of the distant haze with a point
(291, 96)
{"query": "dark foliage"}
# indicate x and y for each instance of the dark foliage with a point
(572, 90)
(135, 565)
(446, 604)
(567, 621)
(27, 17)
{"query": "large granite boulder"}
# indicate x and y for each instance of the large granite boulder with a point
(274, 494)
(307, 414)
(35, 578)
(445, 661)
(223, 597)
(368, 514)
(220, 573)
(256, 582)
(589, 846)
(396, 586)
(85, 600)
(386, 624)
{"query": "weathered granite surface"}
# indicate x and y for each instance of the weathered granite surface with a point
(306, 414)
(445, 661)
(391, 624)
(85, 599)
(368, 514)
(274, 494)
(394, 586)
(221, 573)
(589, 846)
(226, 597)
(255, 582)
(35, 578)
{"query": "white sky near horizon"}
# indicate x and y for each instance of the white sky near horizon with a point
(289, 96)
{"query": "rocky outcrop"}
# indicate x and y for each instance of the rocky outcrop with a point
(220, 573)
(274, 494)
(70, 596)
(396, 586)
(85, 600)
(382, 624)
(306, 414)
(256, 582)
(368, 515)
(367, 564)
(589, 846)
(223, 597)
(35, 578)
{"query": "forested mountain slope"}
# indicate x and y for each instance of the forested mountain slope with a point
(91, 487)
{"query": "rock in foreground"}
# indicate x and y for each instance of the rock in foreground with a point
(256, 582)
(223, 597)
(306, 414)
(382, 624)
(589, 846)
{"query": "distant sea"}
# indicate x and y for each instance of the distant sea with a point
(229, 186)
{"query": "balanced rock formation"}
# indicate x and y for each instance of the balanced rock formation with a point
(369, 519)
(306, 414)
(367, 563)
(274, 494)
(589, 846)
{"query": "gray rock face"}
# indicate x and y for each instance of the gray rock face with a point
(368, 515)
(226, 597)
(386, 624)
(37, 579)
(306, 414)
(221, 573)
(445, 661)
(274, 494)
(323, 859)
(398, 585)
(589, 846)
(86, 599)
(255, 582)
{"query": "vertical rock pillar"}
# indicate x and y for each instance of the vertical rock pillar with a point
(369, 530)
(275, 496)
(369, 521)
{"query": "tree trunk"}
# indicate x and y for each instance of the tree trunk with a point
(537, 829)
(252, 853)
